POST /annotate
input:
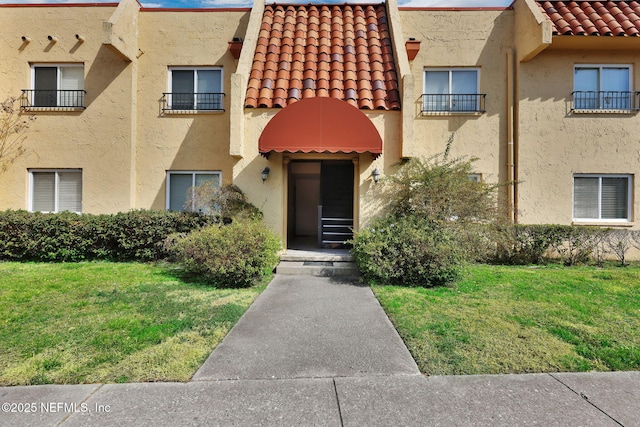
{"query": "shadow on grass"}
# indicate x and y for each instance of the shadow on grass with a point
(177, 272)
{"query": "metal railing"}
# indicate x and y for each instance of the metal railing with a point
(333, 231)
(605, 100)
(193, 101)
(455, 103)
(52, 98)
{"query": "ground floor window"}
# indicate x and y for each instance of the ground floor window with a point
(56, 190)
(602, 197)
(180, 186)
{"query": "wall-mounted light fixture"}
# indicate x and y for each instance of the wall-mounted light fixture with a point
(26, 39)
(376, 175)
(80, 38)
(52, 39)
(265, 173)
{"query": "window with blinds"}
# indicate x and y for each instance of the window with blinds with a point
(180, 184)
(602, 197)
(56, 191)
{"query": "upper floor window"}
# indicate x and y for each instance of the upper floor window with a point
(602, 198)
(194, 89)
(602, 87)
(452, 90)
(55, 86)
(56, 190)
(180, 189)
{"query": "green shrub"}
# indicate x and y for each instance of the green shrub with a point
(234, 255)
(134, 235)
(529, 243)
(140, 235)
(407, 251)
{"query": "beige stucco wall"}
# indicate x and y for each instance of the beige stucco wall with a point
(463, 38)
(79, 139)
(181, 142)
(555, 143)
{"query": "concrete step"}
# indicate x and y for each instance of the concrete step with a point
(318, 268)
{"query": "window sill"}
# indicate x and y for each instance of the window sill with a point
(52, 109)
(603, 111)
(604, 223)
(170, 112)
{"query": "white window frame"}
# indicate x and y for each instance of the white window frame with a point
(56, 191)
(600, 67)
(193, 181)
(450, 71)
(58, 80)
(628, 218)
(195, 84)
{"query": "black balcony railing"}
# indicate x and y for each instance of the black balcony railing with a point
(52, 98)
(605, 100)
(456, 103)
(193, 101)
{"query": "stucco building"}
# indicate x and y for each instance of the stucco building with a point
(135, 105)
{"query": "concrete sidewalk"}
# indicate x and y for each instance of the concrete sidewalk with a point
(318, 351)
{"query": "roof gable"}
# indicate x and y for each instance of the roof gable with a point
(337, 51)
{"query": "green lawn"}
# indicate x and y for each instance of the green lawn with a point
(108, 322)
(502, 319)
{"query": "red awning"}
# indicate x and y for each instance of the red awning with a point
(319, 125)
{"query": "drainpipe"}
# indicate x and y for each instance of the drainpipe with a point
(511, 148)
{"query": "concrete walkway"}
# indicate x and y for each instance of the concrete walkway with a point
(318, 351)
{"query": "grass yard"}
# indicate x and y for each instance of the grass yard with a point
(108, 322)
(503, 319)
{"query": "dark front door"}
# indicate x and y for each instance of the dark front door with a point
(320, 203)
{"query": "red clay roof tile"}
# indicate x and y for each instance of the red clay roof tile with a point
(608, 18)
(339, 51)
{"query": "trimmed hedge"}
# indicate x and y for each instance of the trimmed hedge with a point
(572, 244)
(127, 236)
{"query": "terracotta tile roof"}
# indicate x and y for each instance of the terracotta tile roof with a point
(593, 18)
(338, 51)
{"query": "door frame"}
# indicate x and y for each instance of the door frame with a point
(355, 159)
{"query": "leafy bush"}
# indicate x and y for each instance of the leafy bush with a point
(440, 189)
(437, 219)
(235, 255)
(408, 251)
(134, 235)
